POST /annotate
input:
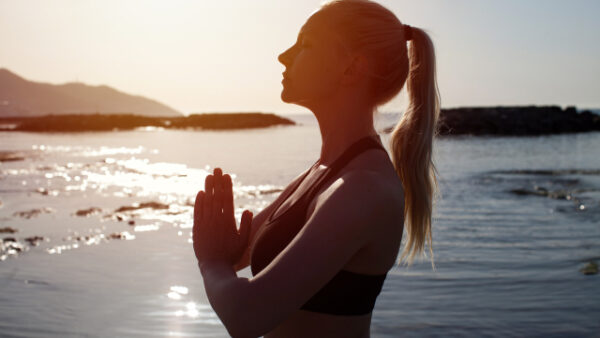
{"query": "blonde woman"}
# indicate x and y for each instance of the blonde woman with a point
(319, 254)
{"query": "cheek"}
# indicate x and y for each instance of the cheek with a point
(319, 76)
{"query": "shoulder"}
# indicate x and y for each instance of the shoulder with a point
(364, 181)
(375, 168)
(366, 194)
(377, 185)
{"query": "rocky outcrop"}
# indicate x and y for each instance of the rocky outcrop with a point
(33, 213)
(230, 121)
(518, 120)
(11, 156)
(99, 122)
(591, 268)
(530, 120)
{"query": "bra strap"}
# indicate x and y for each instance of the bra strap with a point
(354, 150)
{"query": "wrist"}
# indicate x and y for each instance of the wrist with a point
(207, 263)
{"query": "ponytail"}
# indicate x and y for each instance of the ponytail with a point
(374, 30)
(411, 146)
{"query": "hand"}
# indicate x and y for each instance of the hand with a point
(215, 233)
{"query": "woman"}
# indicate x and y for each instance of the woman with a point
(320, 252)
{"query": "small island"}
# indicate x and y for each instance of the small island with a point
(110, 122)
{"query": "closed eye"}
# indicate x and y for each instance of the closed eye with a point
(303, 42)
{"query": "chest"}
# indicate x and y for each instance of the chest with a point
(306, 190)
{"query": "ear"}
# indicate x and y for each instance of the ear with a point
(356, 69)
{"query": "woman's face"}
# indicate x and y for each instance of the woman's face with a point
(313, 64)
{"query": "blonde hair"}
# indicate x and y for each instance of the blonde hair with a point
(371, 28)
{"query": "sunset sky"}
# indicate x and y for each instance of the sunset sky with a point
(217, 56)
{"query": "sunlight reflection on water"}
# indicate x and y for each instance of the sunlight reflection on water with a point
(506, 264)
(202, 313)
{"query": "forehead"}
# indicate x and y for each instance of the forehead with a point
(316, 26)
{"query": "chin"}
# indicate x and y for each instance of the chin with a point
(287, 98)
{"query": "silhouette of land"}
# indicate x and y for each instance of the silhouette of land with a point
(516, 120)
(101, 122)
(20, 98)
(41, 107)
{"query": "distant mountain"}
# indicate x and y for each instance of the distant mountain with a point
(20, 97)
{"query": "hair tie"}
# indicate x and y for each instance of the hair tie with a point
(408, 32)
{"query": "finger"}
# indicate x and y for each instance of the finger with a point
(245, 226)
(228, 197)
(218, 197)
(208, 200)
(198, 206)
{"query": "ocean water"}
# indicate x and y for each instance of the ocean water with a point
(103, 221)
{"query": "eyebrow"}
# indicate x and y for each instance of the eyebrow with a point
(305, 34)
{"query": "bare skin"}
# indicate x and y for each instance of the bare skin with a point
(354, 223)
(375, 258)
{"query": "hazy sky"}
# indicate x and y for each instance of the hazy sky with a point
(221, 55)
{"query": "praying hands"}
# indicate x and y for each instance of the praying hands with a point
(215, 233)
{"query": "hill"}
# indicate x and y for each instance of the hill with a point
(22, 98)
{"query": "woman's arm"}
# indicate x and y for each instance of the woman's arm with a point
(345, 217)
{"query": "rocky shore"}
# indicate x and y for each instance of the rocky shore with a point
(102, 122)
(528, 120)
(518, 120)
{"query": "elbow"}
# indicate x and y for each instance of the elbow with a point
(235, 324)
(238, 332)
(242, 327)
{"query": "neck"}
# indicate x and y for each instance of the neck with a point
(341, 127)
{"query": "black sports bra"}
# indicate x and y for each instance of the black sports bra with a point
(347, 293)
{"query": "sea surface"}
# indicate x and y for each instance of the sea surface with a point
(96, 232)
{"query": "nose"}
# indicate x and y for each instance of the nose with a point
(285, 57)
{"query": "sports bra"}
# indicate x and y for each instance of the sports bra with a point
(347, 293)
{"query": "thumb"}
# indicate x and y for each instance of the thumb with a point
(245, 225)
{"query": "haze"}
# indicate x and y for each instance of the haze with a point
(217, 56)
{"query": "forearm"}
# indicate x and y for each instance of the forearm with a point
(227, 295)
